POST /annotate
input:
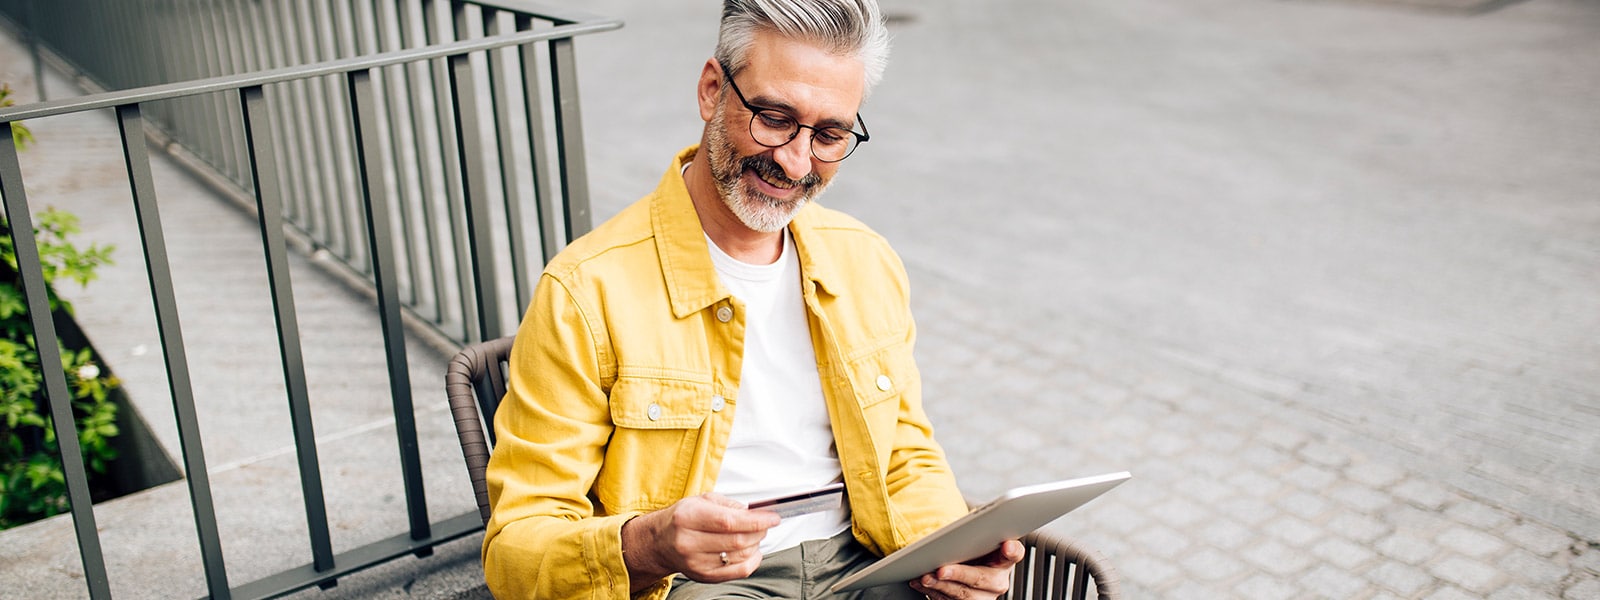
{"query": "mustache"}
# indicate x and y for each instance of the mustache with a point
(770, 169)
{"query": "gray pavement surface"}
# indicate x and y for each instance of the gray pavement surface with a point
(1324, 275)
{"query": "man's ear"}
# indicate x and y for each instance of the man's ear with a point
(709, 89)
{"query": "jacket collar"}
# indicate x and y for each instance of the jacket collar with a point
(691, 278)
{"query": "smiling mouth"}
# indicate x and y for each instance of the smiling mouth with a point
(780, 182)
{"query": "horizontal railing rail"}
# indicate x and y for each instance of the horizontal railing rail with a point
(477, 98)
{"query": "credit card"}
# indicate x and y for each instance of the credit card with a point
(793, 505)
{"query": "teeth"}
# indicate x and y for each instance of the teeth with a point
(778, 183)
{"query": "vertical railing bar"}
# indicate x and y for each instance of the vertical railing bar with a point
(403, 193)
(150, 19)
(338, 207)
(338, 20)
(176, 68)
(472, 173)
(315, 113)
(548, 213)
(365, 123)
(569, 137)
(475, 207)
(250, 55)
(134, 20)
(218, 154)
(510, 186)
(241, 43)
(266, 57)
(104, 60)
(364, 24)
(20, 222)
(33, 48)
(118, 63)
(296, 119)
(425, 171)
(269, 208)
(130, 124)
(229, 62)
(452, 169)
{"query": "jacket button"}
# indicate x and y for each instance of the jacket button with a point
(724, 314)
(884, 384)
(654, 412)
(717, 403)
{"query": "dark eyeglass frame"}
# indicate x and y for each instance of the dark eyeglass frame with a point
(755, 112)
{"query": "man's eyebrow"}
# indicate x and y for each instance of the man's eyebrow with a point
(766, 103)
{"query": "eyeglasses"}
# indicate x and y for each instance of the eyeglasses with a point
(774, 128)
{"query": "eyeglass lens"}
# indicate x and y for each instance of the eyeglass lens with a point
(771, 128)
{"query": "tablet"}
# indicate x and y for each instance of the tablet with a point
(1013, 515)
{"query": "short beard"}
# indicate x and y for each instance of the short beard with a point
(754, 209)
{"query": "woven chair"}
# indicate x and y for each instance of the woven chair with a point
(1055, 568)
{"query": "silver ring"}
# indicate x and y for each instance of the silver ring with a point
(723, 556)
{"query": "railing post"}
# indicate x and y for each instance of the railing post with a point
(259, 147)
(454, 187)
(33, 49)
(363, 105)
(137, 157)
(55, 380)
(549, 213)
(427, 179)
(569, 137)
(475, 196)
(511, 191)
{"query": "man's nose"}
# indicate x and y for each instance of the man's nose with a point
(795, 156)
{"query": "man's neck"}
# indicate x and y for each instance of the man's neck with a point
(721, 225)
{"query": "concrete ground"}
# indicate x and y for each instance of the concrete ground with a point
(1323, 274)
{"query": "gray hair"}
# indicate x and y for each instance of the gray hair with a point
(841, 27)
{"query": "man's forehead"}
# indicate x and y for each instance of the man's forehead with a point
(803, 78)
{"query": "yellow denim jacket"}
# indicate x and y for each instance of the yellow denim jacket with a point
(624, 385)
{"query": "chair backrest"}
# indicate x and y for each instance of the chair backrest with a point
(475, 380)
(1059, 568)
(1054, 567)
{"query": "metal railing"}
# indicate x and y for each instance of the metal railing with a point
(351, 153)
(127, 44)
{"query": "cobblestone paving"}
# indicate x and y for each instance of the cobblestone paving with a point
(1231, 498)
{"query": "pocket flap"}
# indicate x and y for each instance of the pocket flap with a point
(655, 403)
(882, 375)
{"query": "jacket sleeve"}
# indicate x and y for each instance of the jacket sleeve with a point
(922, 487)
(544, 539)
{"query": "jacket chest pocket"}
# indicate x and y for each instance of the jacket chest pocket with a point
(658, 426)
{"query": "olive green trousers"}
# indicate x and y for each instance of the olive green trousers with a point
(802, 572)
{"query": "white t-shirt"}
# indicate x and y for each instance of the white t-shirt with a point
(781, 441)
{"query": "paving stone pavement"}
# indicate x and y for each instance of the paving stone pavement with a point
(1231, 498)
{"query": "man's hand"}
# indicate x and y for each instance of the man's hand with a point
(708, 538)
(985, 577)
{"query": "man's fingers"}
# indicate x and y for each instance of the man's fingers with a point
(987, 576)
(1009, 553)
(715, 514)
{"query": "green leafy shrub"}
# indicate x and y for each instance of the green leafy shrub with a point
(20, 134)
(32, 484)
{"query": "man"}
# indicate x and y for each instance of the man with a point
(725, 340)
